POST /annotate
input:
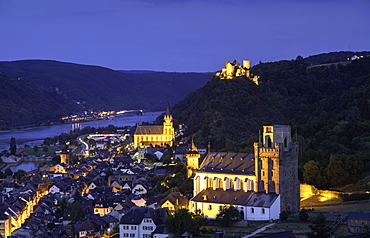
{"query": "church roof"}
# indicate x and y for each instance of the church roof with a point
(149, 130)
(239, 197)
(219, 195)
(228, 163)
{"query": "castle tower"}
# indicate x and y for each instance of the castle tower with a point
(64, 158)
(247, 66)
(192, 157)
(276, 165)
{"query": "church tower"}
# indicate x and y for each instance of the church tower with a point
(168, 130)
(276, 166)
(192, 157)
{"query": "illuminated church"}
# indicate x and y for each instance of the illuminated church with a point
(161, 135)
(259, 185)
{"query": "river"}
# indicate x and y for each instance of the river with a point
(38, 134)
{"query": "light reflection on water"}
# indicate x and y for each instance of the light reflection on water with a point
(35, 135)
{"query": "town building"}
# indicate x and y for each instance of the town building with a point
(260, 185)
(358, 221)
(156, 135)
(141, 222)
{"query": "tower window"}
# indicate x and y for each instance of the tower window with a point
(285, 142)
(269, 142)
(252, 210)
(263, 211)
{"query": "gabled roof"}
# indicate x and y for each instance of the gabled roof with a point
(219, 195)
(228, 163)
(239, 197)
(149, 130)
(359, 215)
(176, 198)
(137, 214)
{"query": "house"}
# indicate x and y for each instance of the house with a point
(357, 221)
(139, 189)
(111, 221)
(141, 222)
(173, 202)
(254, 206)
(60, 168)
(260, 185)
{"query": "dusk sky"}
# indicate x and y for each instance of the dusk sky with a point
(179, 35)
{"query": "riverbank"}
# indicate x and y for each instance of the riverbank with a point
(38, 134)
(14, 161)
(66, 122)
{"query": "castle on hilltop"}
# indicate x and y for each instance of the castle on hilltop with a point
(234, 69)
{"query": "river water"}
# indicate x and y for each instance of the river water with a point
(38, 134)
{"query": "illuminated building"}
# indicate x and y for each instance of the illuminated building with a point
(161, 135)
(260, 185)
(234, 70)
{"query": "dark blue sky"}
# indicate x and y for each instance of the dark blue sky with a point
(179, 35)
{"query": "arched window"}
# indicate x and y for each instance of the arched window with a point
(285, 142)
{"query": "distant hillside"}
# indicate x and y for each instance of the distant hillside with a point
(96, 88)
(333, 57)
(328, 107)
(24, 104)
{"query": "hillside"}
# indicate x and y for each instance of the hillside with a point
(92, 87)
(328, 107)
(23, 103)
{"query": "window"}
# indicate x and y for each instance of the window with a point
(146, 235)
(209, 207)
(133, 227)
(263, 211)
(125, 227)
(132, 234)
(252, 210)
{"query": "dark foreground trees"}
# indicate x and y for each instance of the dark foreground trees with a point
(182, 221)
(229, 214)
(320, 227)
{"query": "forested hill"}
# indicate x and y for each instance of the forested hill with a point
(327, 106)
(79, 87)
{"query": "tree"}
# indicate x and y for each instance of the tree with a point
(183, 220)
(45, 148)
(228, 214)
(55, 159)
(35, 148)
(283, 215)
(48, 141)
(13, 146)
(320, 227)
(20, 174)
(76, 210)
(312, 173)
(8, 172)
(92, 142)
(167, 156)
(303, 215)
